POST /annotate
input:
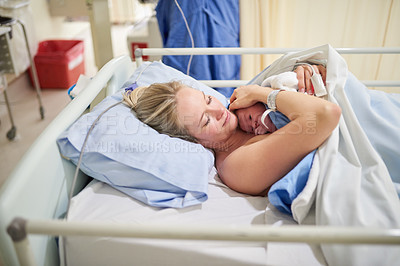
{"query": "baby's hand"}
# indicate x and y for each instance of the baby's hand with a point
(260, 130)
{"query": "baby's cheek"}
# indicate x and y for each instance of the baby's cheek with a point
(243, 126)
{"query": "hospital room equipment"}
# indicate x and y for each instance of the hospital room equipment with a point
(7, 66)
(38, 190)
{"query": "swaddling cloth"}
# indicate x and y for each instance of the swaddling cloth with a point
(285, 81)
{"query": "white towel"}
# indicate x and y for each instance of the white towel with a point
(285, 81)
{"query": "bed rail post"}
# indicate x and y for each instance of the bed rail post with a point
(138, 56)
(17, 232)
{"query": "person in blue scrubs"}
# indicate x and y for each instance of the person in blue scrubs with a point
(212, 23)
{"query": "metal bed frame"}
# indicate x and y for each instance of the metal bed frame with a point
(22, 229)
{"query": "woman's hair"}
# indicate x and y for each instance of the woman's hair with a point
(155, 106)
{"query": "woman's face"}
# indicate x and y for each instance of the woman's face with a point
(205, 117)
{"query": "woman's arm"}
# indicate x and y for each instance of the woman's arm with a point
(265, 159)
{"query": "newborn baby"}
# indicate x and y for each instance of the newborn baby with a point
(251, 119)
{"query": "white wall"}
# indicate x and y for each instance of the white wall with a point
(47, 27)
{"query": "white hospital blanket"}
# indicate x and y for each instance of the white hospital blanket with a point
(349, 182)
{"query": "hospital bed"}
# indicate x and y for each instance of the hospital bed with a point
(234, 229)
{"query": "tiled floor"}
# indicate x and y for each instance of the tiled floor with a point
(25, 109)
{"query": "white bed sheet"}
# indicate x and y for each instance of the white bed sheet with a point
(100, 202)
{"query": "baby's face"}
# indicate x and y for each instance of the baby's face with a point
(250, 119)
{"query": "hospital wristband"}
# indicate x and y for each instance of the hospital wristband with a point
(271, 99)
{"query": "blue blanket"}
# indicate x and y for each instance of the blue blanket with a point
(379, 115)
(283, 192)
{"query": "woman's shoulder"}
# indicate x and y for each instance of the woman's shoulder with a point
(255, 139)
(228, 156)
(236, 168)
(246, 140)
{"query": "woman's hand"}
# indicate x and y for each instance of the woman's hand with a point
(248, 95)
(304, 74)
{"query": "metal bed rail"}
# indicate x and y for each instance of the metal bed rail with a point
(237, 83)
(139, 53)
(20, 228)
(242, 50)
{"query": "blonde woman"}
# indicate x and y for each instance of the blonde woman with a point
(246, 163)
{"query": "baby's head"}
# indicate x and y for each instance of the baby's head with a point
(250, 120)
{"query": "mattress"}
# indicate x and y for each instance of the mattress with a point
(100, 202)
